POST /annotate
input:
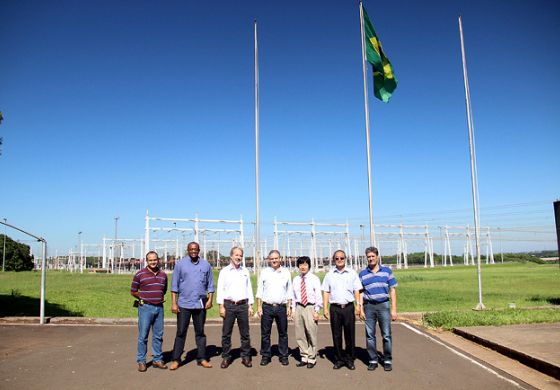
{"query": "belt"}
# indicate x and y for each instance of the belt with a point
(241, 302)
(343, 305)
(153, 304)
(273, 304)
(307, 304)
(366, 302)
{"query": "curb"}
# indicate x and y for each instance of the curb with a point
(530, 361)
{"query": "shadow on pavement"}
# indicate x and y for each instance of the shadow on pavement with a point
(24, 306)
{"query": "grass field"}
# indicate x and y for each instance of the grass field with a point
(419, 290)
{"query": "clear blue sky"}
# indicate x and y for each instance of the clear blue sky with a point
(114, 107)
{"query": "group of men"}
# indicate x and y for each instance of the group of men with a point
(343, 295)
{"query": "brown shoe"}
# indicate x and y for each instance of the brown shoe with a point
(204, 363)
(142, 367)
(174, 365)
(225, 363)
(159, 364)
(247, 362)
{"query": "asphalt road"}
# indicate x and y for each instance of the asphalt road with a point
(103, 357)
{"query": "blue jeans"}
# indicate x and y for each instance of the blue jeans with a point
(150, 316)
(378, 312)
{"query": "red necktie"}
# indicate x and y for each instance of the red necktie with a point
(303, 292)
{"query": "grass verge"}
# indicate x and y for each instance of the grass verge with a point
(454, 319)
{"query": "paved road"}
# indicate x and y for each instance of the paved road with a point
(102, 357)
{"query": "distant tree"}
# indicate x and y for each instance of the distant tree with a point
(18, 255)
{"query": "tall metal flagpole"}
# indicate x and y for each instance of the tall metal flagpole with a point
(257, 258)
(366, 108)
(474, 178)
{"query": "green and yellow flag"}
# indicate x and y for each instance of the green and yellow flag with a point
(384, 81)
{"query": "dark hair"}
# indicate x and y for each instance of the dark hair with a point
(372, 249)
(337, 251)
(195, 243)
(152, 252)
(303, 260)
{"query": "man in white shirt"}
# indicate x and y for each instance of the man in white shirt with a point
(306, 305)
(274, 304)
(341, 291)
(235, 297)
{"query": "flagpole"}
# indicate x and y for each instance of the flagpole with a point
(366, 109)
(256, 260)
(474, 173)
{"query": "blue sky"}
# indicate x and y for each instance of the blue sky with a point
(114, 107)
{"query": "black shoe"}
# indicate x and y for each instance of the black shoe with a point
(350, 365)
(372, 366)
(388, 367)
(338, 365)
(310, 365)
(265, 361)
(225, 363)
(247, 362)
(302, 364)
(284, 361)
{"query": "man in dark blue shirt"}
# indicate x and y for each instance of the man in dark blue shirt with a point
(192, 283)
(379, 305)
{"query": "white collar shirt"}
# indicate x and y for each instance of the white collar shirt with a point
(313, 289)
(341, 285)
(275, 286)
(234, 284)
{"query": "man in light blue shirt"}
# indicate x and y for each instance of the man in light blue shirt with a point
(192, 283)
(341, 292)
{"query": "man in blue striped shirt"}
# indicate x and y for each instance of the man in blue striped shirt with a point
(379, 305)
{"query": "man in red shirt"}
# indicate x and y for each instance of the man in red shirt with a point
(149, 287)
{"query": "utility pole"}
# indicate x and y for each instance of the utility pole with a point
(115, 243)
(4, 250)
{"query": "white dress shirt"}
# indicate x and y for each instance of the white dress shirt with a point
(313, 289)
(341, 285)
(234, 284)
(275, 285)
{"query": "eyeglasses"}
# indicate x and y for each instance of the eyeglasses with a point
(340, 258)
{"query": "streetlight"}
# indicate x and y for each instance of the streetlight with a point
(4, 250)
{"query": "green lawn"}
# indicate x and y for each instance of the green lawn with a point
(419, 290)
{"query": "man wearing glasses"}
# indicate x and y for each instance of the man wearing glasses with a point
(341, 291)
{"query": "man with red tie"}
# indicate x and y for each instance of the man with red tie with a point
(306, 305)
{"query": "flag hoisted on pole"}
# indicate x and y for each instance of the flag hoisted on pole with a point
(384, 83)
(474, 170)
(257, 254)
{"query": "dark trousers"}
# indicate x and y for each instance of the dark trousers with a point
(343, 320)
(269, 315)
(241, 314)
(183, 320)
